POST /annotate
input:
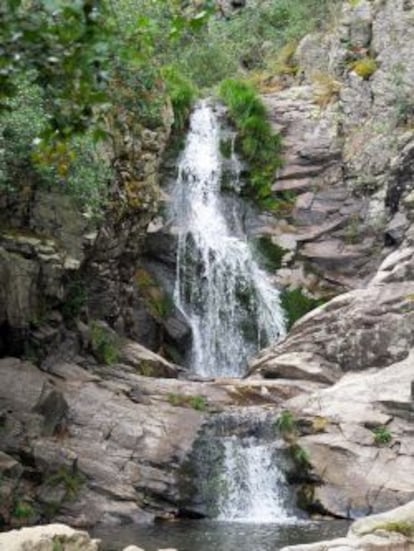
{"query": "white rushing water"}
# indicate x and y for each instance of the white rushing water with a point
(229, 302)
(254, 485)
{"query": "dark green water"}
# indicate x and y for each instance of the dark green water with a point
(218, 536)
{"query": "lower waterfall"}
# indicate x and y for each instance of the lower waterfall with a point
(229, 302)
(254, 482)
(238, 469)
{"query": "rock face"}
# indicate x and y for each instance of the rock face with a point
(391, 531)
(105, 444)
(348, 143)
(55, 258)
(364, 341)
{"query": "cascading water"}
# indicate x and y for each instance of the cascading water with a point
(238, 469)
(229, 302)
(254, 482)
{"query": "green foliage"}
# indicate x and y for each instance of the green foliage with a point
(182, 94)
(286, 423)
(251, 38)
(71, 479)
(296, 304)
(300, 456)
(198, 402)
(271, 255)
(382, 436)
(365, 67)
(256, 141)
(105, 344)
(57, 546)
(23, 510)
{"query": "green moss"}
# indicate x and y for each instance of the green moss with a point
(296, 304)
(401, 527)
(256, 141)
(271, 254)
(365, 67)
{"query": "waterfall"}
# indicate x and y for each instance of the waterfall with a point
(254, 483)
(238, 469)
(228, 301)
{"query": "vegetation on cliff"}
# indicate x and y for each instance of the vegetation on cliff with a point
(68, 66)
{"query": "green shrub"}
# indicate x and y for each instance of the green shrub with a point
(105, 344)
(382, 436)
(256, 141)
(296, 304)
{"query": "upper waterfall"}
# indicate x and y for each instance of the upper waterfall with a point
(229, 302)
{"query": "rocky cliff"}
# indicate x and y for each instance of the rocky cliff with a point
(349, 141)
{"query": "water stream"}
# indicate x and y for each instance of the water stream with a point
(228, 300)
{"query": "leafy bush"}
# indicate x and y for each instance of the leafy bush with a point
(256, 141)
